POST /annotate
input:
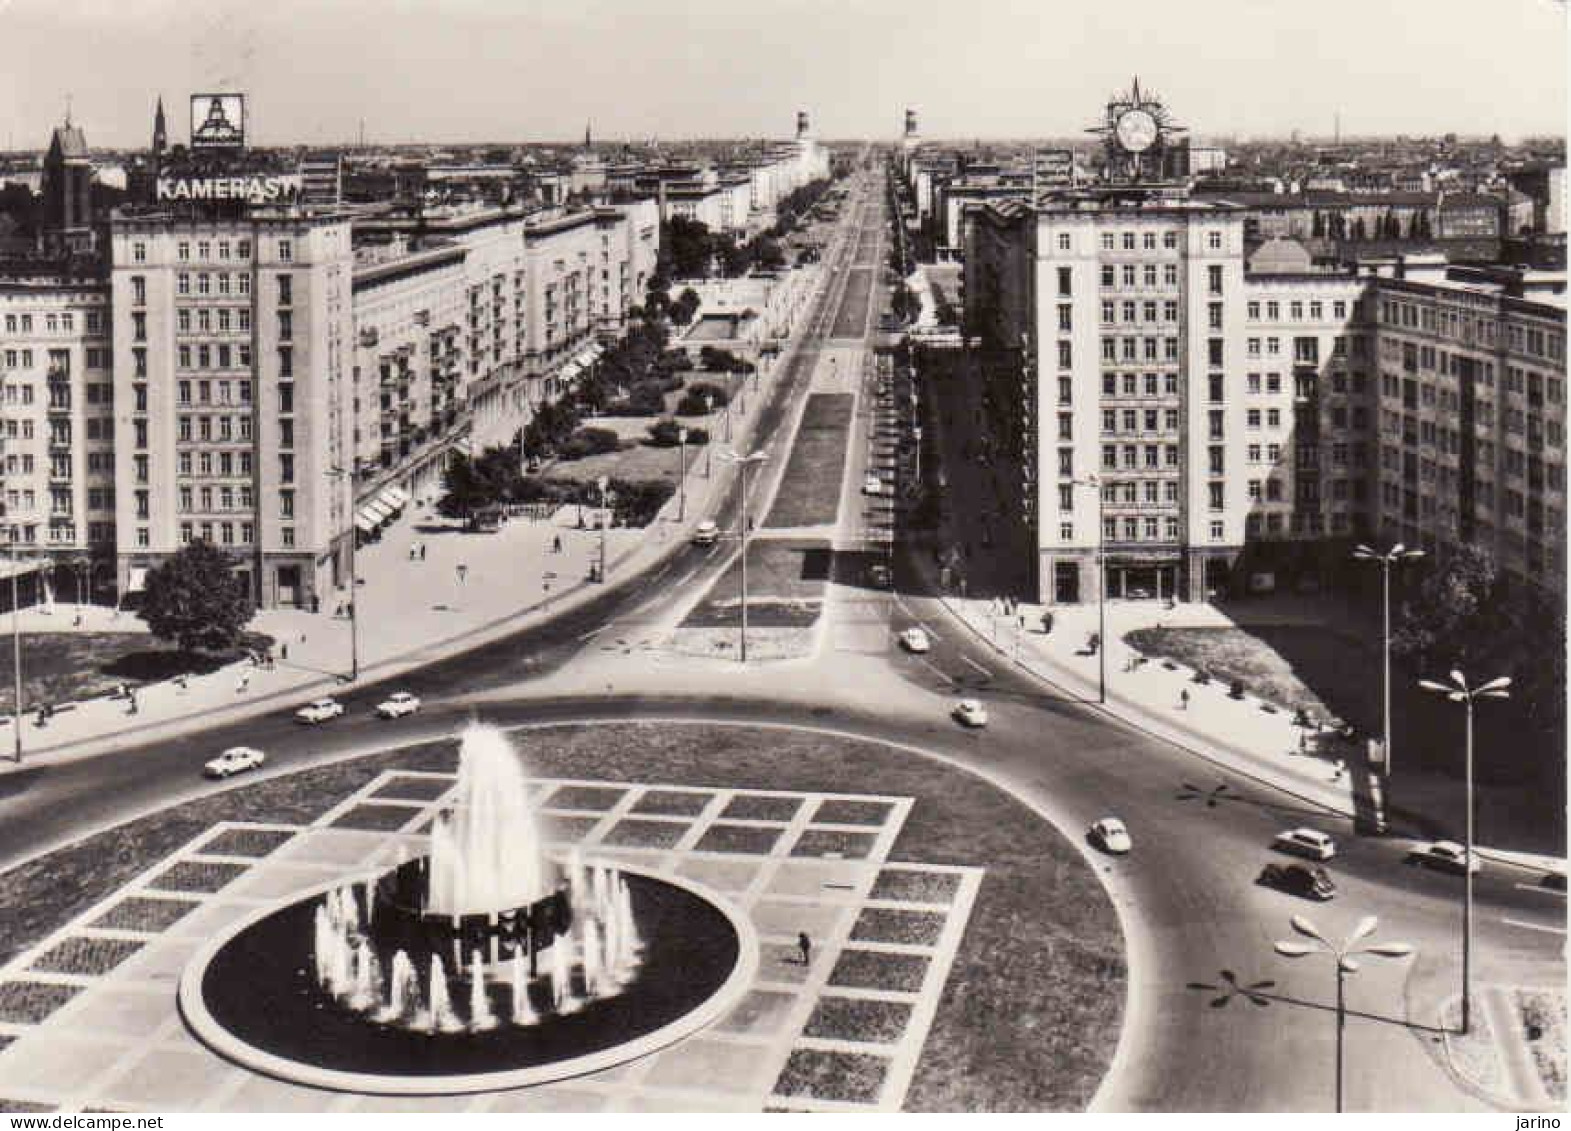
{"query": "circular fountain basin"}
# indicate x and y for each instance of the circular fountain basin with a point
(251, 995)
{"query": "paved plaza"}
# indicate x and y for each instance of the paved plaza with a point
(90, 1021)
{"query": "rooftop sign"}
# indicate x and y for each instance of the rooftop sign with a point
(251, 188)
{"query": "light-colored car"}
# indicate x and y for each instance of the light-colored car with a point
(706, 533)
(915, 640)
(397, 705)
(1111, 836)
(319, 711)
(872, 485)
(235, 760)
(1449, 856)
(971, 713)
(1305, 842)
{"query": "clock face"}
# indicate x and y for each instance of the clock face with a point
(1136, 130)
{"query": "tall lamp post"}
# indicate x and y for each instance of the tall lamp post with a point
(605, 521)
(1396, 554)
(1101, 587)
(1345, 958)
(744, 462)
(709, 419)
(681, 474)
(1459, 692)
(354, 584)
(16, 652)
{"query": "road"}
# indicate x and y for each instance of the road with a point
(1187, 895)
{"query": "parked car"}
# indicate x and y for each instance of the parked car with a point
(397, 705)
(319, 711)
(872, 485)
(1110, 835)
(1305, 842)
(1448, 856)
(235, 760)
(970, 713)
(1308, 881)
(706, 533)
(915, 640)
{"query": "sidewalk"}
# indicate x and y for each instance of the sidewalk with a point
(1163, 699)
(413, 609)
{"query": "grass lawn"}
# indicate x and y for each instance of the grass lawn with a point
(65, 667)
(1028, 1019)
(1332, 674)
(810, 489)
(785, 587)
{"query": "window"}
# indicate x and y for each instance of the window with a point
(1065, 312)
(1215, 492)
(1065, 355)
(1108, 241)
(1107, 277)
(1063, 280)
(1214, 241)
(286, 290)
(139, 252)
(285, 250)
(1129, 241)
(1214, 352)
(1214, 279)
(1170, 275)
(1128, 275)
(1273, 418)
(1063, 241)
(1149, 241)
(286, 469)
(1215, 382)
(1170, 240)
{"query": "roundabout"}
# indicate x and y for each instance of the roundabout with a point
(927, 985)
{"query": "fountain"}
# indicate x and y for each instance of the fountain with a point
(482, 961)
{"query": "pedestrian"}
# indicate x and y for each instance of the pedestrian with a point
(302, 638)
(805, 945)
(77, 621)
(422, 551)
(556, 544)
(245, 682)
(414, 552)
(283, 650)
(131, 707)
(1341, 768)
(1183, 699)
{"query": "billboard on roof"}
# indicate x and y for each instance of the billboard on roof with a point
(217, 121)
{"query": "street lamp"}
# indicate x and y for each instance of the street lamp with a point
(1459, 692)
(1101, 587)
(605, 520)
(346, 475)
(1396, 554)
(709, 419)
(744, 462)
(681, 474)
(16, 651)
(1344, 958)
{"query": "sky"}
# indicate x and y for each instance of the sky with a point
(538, 70)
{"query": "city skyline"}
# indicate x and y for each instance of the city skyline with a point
(461, 68)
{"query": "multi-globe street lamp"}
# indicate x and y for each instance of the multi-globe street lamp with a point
(347, 476)
(1458, 691)
(1394, 556)
(1344, 957)
(681, 475)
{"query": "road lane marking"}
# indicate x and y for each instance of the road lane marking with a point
(1540, 890)
(976, 665)
(1534, 926)
(593, 632)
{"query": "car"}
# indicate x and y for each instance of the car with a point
(319, 711)
(706, 533)
(970, 713)
(1110, 834)
(915, 640)
(1309, 881)
(235, 760)
(878, 576)
(397, 705)
(1305, 842)
(872, 485)
(1447, 855)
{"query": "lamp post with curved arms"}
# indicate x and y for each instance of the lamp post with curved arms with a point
(1095, 483)
(1395, 555)
(681, 475)
(1459, 692)
(743, 462)
(1344, 957)
(709, 419)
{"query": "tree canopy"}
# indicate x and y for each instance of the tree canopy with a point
(196, 600)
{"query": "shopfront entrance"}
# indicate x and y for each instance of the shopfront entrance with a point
(1142, 582)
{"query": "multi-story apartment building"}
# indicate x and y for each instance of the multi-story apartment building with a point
(57, 430)
(1199, 419)
(233, 352)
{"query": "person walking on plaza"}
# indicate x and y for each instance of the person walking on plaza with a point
(556, 544)
(244, 682)
(422, 551)
(1183, 699)
(805, 945)
(283, 650)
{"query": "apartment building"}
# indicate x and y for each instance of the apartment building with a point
(1203, 419)
(57, 431)
(233, 351)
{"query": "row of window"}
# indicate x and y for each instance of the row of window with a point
(61, 322)
(1295, 310)
(208, 464)
(209, 356)
(223, 498)
(205, 249)
(210, 319)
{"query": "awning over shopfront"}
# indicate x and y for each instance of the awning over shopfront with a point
(390, 501)
(364, 522)
(570, 371)
(377, 512)
(399, 494)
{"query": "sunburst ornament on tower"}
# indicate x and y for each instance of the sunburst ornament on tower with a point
(1136, 131)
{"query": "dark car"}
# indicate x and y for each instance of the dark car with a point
(1308, 881)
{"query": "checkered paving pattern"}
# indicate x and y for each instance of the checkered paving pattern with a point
(88, 1019)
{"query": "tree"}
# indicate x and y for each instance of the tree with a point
(1446, 622)
(685, 306)
(196, 600)
(469, 484)
(688, 246)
